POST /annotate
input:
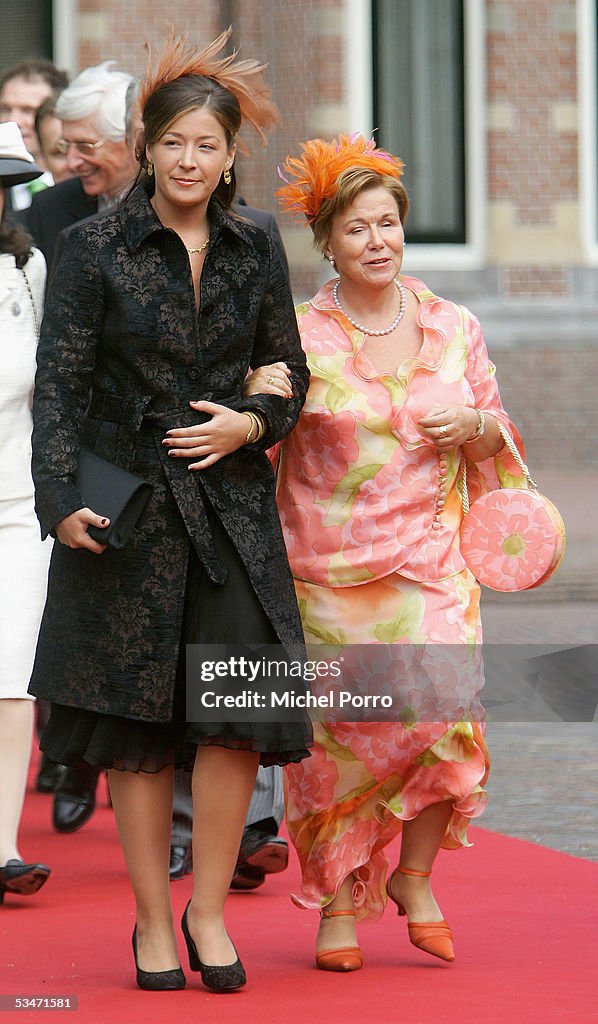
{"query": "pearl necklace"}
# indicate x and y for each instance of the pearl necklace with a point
(200, 249)
(366, 330)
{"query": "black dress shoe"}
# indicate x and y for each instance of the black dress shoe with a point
(227, 978)
(246, 878)
(157, 981)
(75, 800)
(49, 775)
(181, 862)
(261, 849)
(262, 853)
(22, 879)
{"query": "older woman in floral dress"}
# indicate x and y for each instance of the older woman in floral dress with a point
(401, 390)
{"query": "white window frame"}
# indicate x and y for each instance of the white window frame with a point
(359, 92)
(587, 81)
(64, 33)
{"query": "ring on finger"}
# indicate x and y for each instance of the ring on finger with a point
(443, 430)
(269, 380)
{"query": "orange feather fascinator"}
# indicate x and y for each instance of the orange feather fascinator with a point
(315, 174)
(244, 78)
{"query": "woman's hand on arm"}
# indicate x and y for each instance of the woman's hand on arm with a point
(223, 433)
(72, 530)
(272, 379)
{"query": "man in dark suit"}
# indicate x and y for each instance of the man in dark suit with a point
(54, 209)
(94, 137)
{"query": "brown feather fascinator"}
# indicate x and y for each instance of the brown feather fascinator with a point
(313, 177)
(243, 78)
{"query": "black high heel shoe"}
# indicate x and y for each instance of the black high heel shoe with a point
(22, 879)
(157, 981)
(227, 978)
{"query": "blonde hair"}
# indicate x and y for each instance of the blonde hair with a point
(327, 176)
(350, 184)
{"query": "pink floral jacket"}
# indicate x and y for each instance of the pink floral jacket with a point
(361, 493)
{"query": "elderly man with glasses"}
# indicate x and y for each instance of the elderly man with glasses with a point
(92, 110)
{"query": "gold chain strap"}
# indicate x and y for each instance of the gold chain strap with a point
(510, 444)
(33, 306)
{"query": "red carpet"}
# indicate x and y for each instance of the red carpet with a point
(524, 919)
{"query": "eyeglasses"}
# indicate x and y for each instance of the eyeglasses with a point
(84, 148)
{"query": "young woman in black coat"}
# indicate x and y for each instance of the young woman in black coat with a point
(156, 313)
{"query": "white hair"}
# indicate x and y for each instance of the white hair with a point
(99, 91)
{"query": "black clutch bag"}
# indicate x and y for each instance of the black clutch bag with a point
(112, 492)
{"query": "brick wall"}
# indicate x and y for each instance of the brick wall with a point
(531, 72)
(532, 141)
(117, 30)
(304, 71)
(280, 35)
(551, 396)
(534, 253)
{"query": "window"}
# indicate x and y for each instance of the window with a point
(419, 109)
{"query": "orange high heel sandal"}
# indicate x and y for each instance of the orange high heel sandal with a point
(434, 937)
(347, 959)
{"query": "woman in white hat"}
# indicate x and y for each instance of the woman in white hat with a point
(23, 556)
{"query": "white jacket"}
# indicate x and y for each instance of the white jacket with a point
(18, 344)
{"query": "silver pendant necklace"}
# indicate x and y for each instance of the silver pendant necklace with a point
(366, 330)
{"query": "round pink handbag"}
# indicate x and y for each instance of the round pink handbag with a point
(512, 538)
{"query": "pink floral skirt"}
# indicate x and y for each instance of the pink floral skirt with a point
(349, 799)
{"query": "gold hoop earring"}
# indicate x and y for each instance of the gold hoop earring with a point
(227, 176)
(150, 168)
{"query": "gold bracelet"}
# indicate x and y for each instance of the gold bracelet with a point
(258, 423)
(253, 425)
(262, 426)
(479, 430)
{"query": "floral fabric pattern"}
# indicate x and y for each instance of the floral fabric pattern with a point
(358, 482)
(350, 798)
(357, 492)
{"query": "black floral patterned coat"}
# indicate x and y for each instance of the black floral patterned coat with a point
(123, 350)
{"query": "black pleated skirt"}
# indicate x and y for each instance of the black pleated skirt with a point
(214, 614)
